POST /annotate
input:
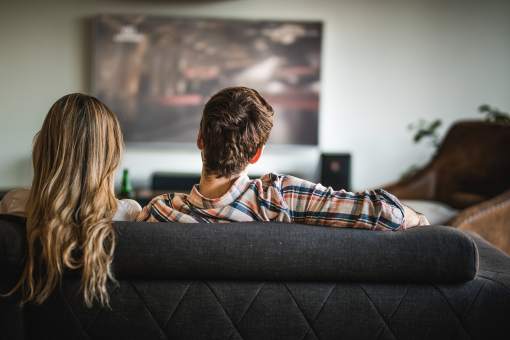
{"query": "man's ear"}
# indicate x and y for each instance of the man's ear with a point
(200, 141)
(257, 155)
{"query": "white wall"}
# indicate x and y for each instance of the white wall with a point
(385, 64)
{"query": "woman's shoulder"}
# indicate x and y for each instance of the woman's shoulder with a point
(127, 210)
(14, 202)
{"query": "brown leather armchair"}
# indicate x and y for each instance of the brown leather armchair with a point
(490, 219)
(470, 171)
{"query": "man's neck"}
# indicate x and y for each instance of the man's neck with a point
(214, 187)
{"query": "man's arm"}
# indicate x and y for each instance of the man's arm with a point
(156, 211)
(162, 209)
(312, 203)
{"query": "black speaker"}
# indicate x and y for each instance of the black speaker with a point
(336, 170)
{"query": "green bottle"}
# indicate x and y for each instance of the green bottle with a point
(126, 190)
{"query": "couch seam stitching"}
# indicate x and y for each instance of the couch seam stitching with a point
(235, 328)
(494, 281)
(322, 307)
(459, 319)
(399, 303)
(310, 326)
(101, 311)
(177, 305)
(251, 303)
(87, 336)
(381, 329)
(385, 322)
(147, 308)
(481, 272)
(474, 300)
(476, 257)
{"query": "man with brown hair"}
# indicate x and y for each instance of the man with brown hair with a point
(235, 126)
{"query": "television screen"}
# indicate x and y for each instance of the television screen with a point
(157, 73)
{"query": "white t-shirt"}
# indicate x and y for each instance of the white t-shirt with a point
(14, 203)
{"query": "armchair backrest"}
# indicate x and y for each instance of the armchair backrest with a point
(471, 165)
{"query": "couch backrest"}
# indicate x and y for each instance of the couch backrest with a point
(274, 252)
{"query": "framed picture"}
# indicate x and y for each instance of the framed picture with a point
(157, 73)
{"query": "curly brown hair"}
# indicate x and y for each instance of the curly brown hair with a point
(235, 123)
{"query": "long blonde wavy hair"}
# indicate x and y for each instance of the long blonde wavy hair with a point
(72, 200)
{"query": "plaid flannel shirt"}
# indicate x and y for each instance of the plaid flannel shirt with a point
(280, 198)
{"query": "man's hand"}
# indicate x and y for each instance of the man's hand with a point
(413, 219)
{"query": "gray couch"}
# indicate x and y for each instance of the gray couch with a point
(274, 281)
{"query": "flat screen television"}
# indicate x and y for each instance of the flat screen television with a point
(157, 73)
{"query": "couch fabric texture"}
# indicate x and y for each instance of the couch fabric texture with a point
(274, 281)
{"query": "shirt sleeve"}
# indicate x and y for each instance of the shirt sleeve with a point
(156, 211)
(312, 203)
(127, 210)
(144, 214)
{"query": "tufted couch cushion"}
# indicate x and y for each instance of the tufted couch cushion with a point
(279, 251)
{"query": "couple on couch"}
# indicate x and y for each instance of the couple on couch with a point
(71, 204)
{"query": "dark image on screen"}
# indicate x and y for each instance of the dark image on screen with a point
(157, 73)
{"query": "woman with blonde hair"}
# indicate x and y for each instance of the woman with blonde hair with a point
(71, 203)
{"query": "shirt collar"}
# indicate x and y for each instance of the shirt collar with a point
(202, 202)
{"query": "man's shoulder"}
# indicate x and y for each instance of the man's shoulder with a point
(283, 181)
(272, 179)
